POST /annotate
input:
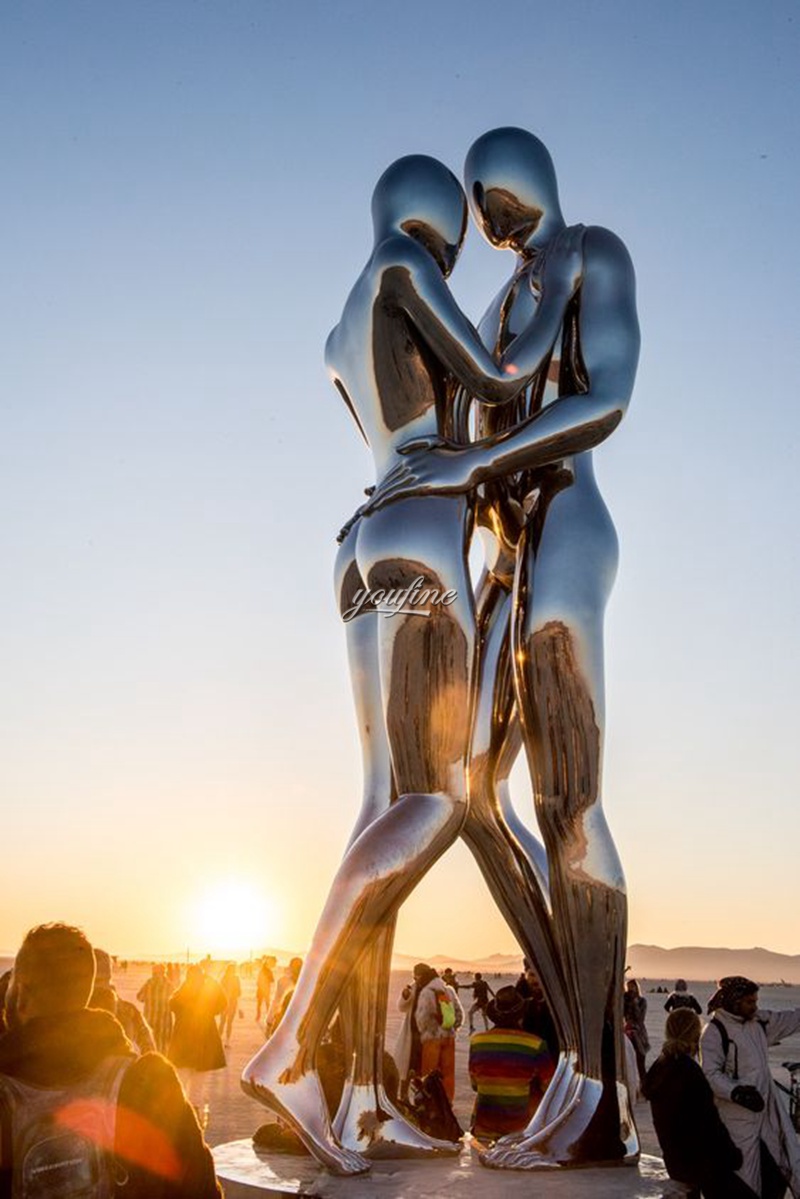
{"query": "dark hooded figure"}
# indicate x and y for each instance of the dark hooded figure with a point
(696, 1145)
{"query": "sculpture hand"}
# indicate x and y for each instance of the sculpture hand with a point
(429, 467)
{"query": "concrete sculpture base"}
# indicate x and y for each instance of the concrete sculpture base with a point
(246, 1174)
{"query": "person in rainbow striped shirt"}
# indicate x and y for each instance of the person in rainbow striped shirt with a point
(509, 1069)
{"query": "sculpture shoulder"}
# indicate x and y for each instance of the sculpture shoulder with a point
(606, 254)
(400, 260)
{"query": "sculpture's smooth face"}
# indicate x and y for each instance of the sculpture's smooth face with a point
(512, 190)
(419, 196)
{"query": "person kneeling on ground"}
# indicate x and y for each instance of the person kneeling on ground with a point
(697, 1148)
(76, 1102)
(509, 1069)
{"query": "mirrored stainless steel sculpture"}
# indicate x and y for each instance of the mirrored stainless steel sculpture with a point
(448, 692)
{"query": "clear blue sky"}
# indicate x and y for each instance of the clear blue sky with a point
(185, 206)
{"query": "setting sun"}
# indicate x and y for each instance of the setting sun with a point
(233, 918)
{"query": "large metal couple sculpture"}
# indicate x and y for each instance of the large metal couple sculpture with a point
(491, 429)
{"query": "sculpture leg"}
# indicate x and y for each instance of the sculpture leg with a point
(366, 1120)
(377, 873)
(562, 584)
(426, 667)
(512, 860)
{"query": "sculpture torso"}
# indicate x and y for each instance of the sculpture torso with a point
(392, 383)
(508, 502)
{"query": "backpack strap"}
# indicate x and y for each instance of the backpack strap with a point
(725, 1038)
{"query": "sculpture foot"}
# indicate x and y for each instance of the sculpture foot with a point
(584, 1133)
(558, 1100)
(561, 1096)
(368, 1123)
(300, 1103)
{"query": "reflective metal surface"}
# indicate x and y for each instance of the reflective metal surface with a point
(448, 689)
(394, 356)
(534, 458)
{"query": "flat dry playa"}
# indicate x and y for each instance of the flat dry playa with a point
(233, 1115)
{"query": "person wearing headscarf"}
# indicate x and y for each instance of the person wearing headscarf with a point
(680, 997)
(697, 1147)
(408, 1050)
(508, 1068)
(734, 1051)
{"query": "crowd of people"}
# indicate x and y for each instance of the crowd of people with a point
(86, 1108)
(90, 1086)
(510, 1062)
(98, 1093)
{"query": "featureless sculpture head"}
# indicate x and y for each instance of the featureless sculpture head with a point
(512, 189)
(419, 196)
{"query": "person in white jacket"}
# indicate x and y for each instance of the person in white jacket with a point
(735, 1061)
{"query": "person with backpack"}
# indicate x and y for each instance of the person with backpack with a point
(680, 997)
(80, 1113)
(734, 1050)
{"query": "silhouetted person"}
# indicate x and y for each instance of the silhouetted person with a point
(105, 997)
(154, 996)
(680, 997)
(62, 1060)
(480, 998)
(232, 987)
(196, 1046)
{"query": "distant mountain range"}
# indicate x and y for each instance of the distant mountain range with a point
(762, 965)
(650, 962)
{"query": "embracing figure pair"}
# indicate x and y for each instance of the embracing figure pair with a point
(490, 429)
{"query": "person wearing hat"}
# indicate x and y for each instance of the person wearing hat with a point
(697, 1147)
(508, 1068)
(734, 1051)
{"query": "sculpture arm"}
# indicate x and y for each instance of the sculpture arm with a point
(609, 343)
(416, 285)
(780, 1025)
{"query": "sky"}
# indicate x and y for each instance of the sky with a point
(185, 207)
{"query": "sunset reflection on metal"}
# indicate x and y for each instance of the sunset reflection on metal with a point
(489, 430)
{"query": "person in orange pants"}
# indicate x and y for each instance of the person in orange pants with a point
(438, 1015)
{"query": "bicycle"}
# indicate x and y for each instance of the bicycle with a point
(793, 1091)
